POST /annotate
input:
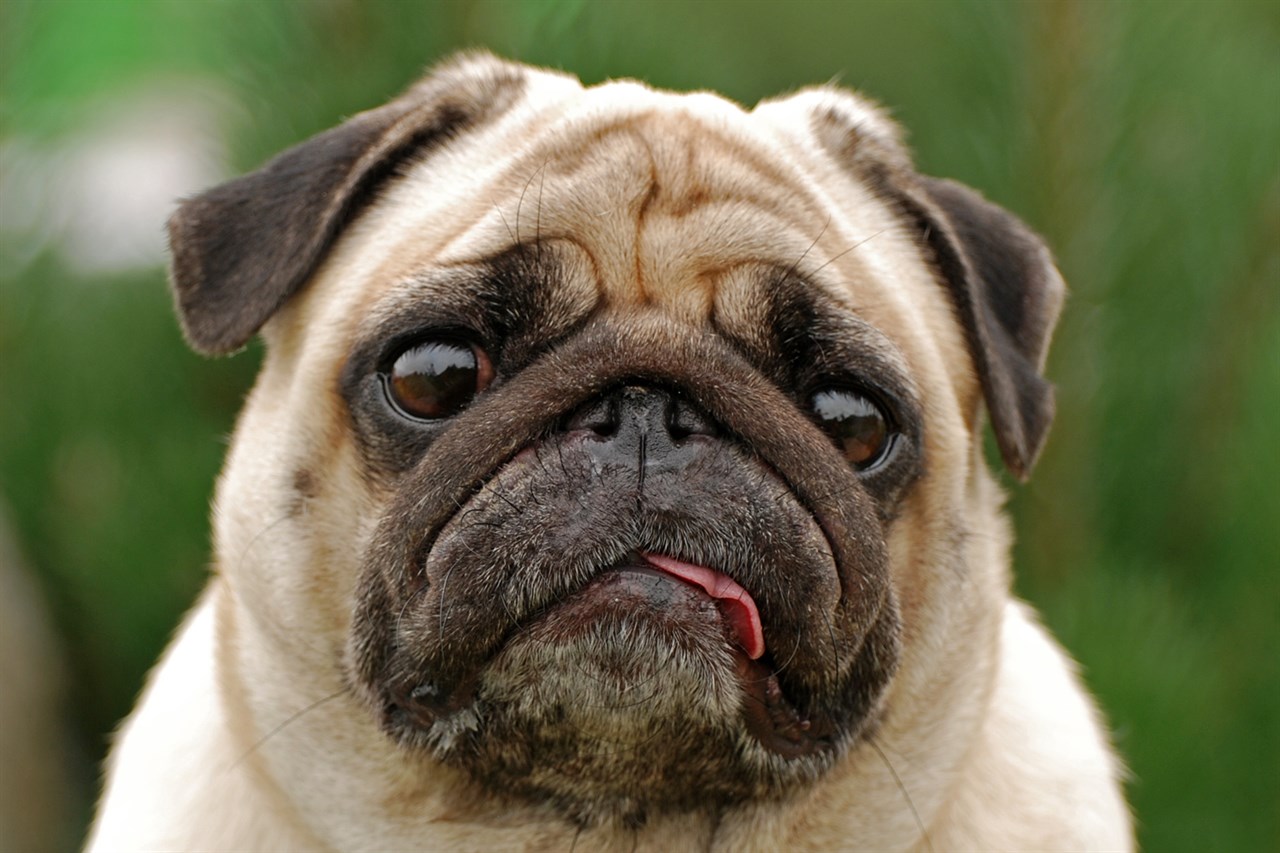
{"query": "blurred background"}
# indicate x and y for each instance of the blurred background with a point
(1142, 138)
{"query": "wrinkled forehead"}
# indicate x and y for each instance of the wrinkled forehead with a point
(660, 196)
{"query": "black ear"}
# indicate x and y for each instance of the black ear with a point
(240, 250)
(1007, 293)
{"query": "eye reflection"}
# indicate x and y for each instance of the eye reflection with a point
(856, 424)
(438, 378)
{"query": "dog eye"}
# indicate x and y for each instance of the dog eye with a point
(858, 426)
(437, 378)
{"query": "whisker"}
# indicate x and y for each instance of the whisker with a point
(444, 583)
(856, 245)
(292, 718)
(537, 220)
(795, 649)
(505, 224)
(244, 552)
(798, 261)
(520, 201)
(835, 648)
(407, 601)
(928, 845)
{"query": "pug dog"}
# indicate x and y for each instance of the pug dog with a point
(614, 480)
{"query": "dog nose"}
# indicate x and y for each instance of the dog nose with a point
(642, 426)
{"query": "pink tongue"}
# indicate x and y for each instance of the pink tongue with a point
(741, 610)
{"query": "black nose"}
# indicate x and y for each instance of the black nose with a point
(643, 427)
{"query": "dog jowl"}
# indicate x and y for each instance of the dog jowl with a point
(615, 471)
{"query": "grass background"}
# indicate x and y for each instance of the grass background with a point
(1141, 137)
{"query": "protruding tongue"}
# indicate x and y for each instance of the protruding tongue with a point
(740, 608)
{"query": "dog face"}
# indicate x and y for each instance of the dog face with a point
(618, 451)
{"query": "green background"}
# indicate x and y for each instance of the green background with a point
(1142, 138)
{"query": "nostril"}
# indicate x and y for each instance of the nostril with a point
(600, 417)
(685, 419)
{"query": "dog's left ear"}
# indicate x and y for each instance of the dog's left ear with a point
(240, 250)
(1007, 293)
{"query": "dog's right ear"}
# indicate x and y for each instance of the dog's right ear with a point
(240, 250)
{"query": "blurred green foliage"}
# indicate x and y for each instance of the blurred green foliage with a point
(1142, 138)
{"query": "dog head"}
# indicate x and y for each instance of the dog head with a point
(619, 450)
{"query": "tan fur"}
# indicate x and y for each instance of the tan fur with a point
(247, 737)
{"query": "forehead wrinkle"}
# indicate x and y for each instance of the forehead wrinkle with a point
(681, 200)
(659, 199)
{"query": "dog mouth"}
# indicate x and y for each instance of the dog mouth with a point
(767, 713)
(692, 609)
(735, 604)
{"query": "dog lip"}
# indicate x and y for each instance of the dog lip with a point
(768, 713)
(739, 607)
(777, 724)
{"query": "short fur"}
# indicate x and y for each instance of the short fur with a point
(442, 633)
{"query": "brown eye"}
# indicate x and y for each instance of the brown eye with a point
(858, 426)
(438, 378)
